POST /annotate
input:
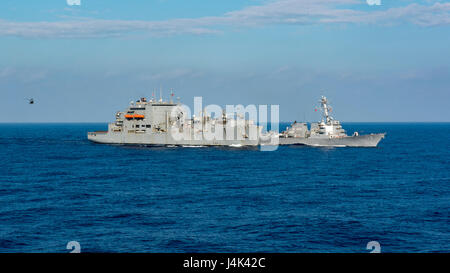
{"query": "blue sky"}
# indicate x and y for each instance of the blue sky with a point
(388, 62)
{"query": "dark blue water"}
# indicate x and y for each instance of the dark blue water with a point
(57, 187)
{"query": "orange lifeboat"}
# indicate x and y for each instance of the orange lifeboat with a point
(136, 116)
(128, 116)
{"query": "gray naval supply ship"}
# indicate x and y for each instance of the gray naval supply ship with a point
(165, 123)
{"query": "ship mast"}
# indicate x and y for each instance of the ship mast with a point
(326, 109)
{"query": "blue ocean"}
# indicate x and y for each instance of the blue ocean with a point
(56, 187)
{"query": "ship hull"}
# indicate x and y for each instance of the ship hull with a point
(370, 140)
(163, 140)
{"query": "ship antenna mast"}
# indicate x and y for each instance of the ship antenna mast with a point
(160, 93)
(326, 109)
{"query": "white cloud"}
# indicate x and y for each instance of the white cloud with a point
(6, 72)
(97, 28)
(27, 75)
(74, 2)
(301, 12)
(170, 75)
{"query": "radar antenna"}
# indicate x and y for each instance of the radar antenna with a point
(326, 109)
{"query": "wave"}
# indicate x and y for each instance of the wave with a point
(192, 146)
(235, 145)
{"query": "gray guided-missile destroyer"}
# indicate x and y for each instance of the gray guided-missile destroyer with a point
(165, 123)
(327, 132)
